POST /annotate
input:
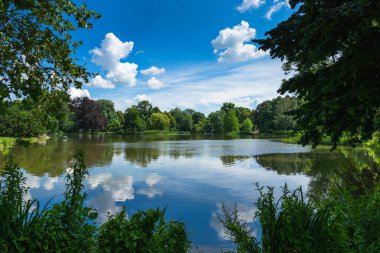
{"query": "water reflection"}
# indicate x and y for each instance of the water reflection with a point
(189, 174)
(229, 160)
(349, 169)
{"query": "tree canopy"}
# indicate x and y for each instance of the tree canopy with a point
(37, 49)
(337, 75)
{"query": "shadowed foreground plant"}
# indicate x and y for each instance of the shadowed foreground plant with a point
(146, 231)
(69, 226)
(290, 224)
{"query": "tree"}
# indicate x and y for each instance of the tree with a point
(88, 114)
(114, 119)
(159, 121)
(337, 75)
(227, 106)
(216, 122)
(37, 50)
(145, 109)
(243, 114)
(183, 119)
(231, 121)
(173, 123)
(282, 108)
(246, 126)
(274, 114)
(133, 122)
(21, 121)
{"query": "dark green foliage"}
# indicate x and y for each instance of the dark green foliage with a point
(133, 121)
(273, 115)
(361, 218)
(294, 223)
(243, 114)
(20, 121)
(145, 109)
(114, 118)
(231, 122)
(26, 227)
(69, 226)
(183, 118)
(146, 231)
(337, 75)
(216, 122)
(37, 50)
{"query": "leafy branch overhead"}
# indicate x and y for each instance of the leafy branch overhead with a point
(333, 47)
(37, 49)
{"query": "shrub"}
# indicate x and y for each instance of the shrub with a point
(69, 226)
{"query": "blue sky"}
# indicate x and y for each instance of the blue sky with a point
(181, 53)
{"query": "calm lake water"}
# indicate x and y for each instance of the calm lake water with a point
(192, 176)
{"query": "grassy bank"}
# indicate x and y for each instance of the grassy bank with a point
(8, 142)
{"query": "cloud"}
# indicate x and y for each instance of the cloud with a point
(152, 179)
(275, 8)
(153, 71)
(205, 86)
(249, 4)
(99, 82)
(155, 83)
(150, 193)
(78, 93)
(50, 182)
(112, 50)
(142, 97)
(230, 44)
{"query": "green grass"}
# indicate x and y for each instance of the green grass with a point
(8, 142)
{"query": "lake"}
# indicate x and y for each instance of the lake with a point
(192, 176)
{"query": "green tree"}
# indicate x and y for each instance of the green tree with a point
(37, 50)
(145, 109)
(246, 126)
(231, 121)
(173, 123)
(282, 108)
(243, 114)
(227, 106)
(19, 121)
(336, 75)
(133, 122)
(114, 119)
(184, 119)
(216, 122)
(159, 121)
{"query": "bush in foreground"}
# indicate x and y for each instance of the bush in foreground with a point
(293, 223)
(69, 226)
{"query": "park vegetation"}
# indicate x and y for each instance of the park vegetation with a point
(69, 226)
(23, 118)
(336, 76)
(336, 89)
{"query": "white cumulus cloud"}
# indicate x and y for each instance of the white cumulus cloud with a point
(249, 4)
(100, 82)
(112, 50)
(230, 45)
(78, 93)
(142, 97)
(155, 83)
(275, 8)
(153, 71)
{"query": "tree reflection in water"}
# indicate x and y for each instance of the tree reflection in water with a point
(345, 169)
